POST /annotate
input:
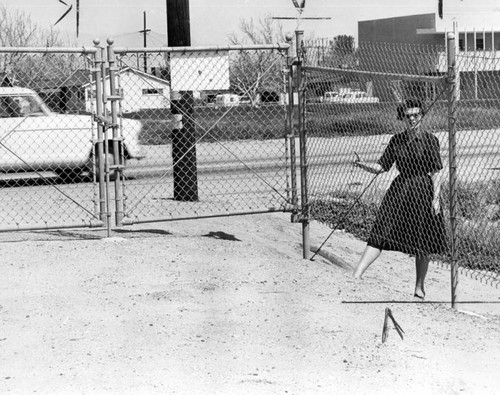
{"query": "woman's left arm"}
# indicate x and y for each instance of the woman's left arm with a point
(436, 203)
(437, 167)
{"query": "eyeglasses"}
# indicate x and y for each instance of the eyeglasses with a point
(415, 115)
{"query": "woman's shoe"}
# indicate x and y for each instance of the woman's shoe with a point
(421, 297)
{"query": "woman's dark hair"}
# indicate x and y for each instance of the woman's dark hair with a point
(409, 103)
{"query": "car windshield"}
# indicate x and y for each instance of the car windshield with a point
(12, 106)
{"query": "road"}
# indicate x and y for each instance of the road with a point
(234, 177)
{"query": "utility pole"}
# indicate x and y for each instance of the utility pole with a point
(145, 32)
(182, 103)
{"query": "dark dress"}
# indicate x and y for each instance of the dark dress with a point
(406, 220)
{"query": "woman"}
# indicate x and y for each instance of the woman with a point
(410, 217)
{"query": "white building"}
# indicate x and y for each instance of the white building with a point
(139, 91)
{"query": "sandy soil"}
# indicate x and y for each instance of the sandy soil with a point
(228, 306)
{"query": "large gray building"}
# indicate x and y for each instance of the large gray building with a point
(478, 49)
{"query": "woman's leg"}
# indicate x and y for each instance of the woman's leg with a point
(421, 265)
(368, 257)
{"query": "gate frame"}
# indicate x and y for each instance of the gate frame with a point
(289, 134)
(450, 82)
(96, 60)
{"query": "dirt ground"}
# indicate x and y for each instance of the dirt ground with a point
(228, 306)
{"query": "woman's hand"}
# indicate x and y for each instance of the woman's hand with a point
(357, 160)
(436, 204)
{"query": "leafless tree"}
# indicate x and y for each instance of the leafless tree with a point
(18, 30)
(253, 72)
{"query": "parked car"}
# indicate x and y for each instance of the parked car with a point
(353, 97)
(330, 97)
(33, 138)
(227, 99)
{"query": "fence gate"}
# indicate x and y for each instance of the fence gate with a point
(48, 139)
(353, 112)
(350, 111)
(208, 152)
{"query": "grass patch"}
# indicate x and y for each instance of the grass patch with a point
(341, 214)
(322, 120)
(222, 124)
(328, 120)
(478, 225)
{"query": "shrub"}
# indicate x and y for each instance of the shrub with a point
(221, 124)
(344, 213)
(478, 246)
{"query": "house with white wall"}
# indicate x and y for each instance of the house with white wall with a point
(139, 91)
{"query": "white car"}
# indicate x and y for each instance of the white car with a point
(330, 97)
(34, 139)
(354, 97)
(227, 100)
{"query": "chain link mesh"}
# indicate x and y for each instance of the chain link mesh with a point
(352, 99)
(46, 140)
(197, 133)
(478, 164)
(213, 131)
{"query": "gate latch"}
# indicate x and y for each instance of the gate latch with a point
(106, 122)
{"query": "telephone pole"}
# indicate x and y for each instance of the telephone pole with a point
(183, 136)
(145, 32)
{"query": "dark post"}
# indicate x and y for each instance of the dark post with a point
(183, 136)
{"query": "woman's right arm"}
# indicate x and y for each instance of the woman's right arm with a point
(384, 163)
(374, 168)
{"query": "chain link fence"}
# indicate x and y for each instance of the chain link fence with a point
(109, 136)
(47, 139)
(199, 132)
(478, 164)
(353, 113)
(214, 131)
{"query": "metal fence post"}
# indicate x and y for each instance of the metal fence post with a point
(106, 123)
(118, 154)
(290, 125)
(452, 95)
(306, 243)
(99, 151)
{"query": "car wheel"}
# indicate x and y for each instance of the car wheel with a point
(69, 174)
(111, 161)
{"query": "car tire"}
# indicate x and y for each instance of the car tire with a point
(69, 174)
(111, 161)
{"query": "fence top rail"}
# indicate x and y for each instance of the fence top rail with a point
(49, 50)
(378, 74)
(279, 46)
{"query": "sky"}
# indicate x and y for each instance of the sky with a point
(213, 20)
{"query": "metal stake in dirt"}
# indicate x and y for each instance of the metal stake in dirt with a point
(385, 328)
